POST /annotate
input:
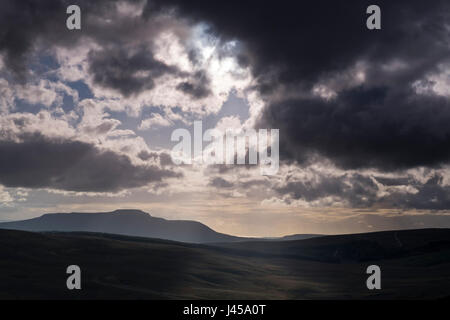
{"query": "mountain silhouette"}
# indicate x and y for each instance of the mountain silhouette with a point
(124, 222)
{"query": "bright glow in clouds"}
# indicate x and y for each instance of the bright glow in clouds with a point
(178, 72)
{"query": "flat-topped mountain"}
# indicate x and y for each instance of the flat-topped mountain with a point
(125, 222)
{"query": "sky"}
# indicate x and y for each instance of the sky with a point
(86, 116)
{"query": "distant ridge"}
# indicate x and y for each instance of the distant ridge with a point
(298, 237)
(133, 222)
(125, 222)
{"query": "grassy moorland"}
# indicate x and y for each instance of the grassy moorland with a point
(415, 264)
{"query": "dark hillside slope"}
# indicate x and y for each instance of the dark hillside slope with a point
(33, 265)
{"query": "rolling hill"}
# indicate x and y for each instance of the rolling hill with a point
(415, 264)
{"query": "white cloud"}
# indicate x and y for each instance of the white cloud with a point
(436, 83)
(156, 121)
(5, 198)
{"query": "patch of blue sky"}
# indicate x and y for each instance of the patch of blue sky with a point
(84, 92)
(160, 137)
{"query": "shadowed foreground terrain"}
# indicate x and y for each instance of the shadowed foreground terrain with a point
(414, 264)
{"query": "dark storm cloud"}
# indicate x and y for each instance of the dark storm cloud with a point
(145, 155)
(291, 46)
(366, 127)
(164, 158)
(133, 70)
(198, 87)
(431, 195)
(122, 63)
(25, 23)
(125, 71)
(40, 162)
(22, 22)
(299, 41)
(360, 191)
(357, 190)
(220, 183)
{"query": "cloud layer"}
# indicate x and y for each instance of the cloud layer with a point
(337, 89)
(363, 115)
(42, 162)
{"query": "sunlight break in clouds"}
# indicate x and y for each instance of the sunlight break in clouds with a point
(87, 115)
